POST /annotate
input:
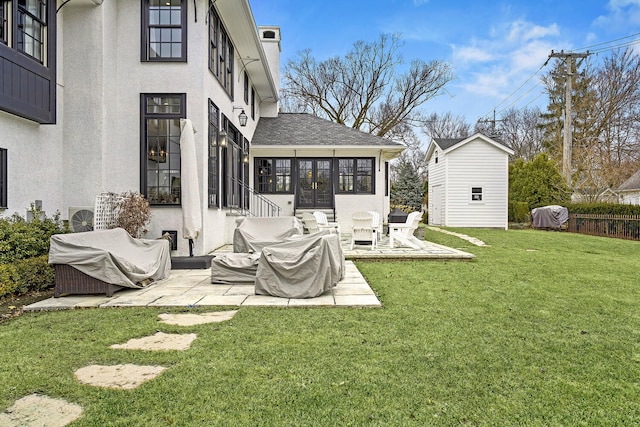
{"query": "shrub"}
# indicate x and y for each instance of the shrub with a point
(21, 239)
(603, 209)
(518, 211)
(133, 213)
(24, 275)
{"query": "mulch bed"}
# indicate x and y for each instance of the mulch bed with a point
(11, 307)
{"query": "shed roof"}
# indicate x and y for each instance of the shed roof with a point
(450, 144)
(295, 129)
(633, 183)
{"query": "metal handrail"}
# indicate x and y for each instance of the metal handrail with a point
(252, 203)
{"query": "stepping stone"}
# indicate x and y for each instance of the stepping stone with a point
(189, 319)
(159, 342)
(117, 376)
(39, 411)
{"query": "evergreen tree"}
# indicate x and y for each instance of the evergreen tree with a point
(537, 182)
(408, 189)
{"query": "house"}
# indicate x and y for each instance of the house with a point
(91, 97)
(629, 191)
(468, 182)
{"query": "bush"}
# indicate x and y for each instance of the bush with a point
(20, 239)
(603, 209)
(25, 275)
(133, 213)
(519, 212)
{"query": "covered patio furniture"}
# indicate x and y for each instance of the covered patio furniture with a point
(323, 222)
(362, 230)
(106, 261)
(234, 268)
(402, 233)
(552, 216)
(254, 233)
(301, 267)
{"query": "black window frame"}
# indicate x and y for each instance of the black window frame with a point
(4, 184)
(232, 166)
(4, 22)
(260, 175)
(253, 103)
(246, 88)
(171, 156)
(214, 156)
(147, 26)
(221, 51)
(476, 194)
(355, 175)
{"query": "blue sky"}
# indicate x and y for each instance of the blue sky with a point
(494, 47)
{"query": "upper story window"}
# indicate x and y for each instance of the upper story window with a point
(221, 51)
(4, 9)
(32, 24)
(164, 30)
(253, 103)
(160, 147)
(246, 88)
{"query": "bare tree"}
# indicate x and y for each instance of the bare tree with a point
(446, 126)
(363, 89)
(521, 130)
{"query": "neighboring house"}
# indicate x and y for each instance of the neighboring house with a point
(468, 182)
(629, 191)
(91, 99)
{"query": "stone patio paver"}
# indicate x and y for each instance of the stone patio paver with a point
(158, 342)
(124, 377)
(37, 410)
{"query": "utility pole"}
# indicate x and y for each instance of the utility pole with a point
(494, 134)
(569, 61)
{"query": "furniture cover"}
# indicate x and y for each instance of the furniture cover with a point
(112, 256)
(552, 216)
(302, 267)
(254, 233)
(234, 268)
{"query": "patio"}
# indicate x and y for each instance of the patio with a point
(193, 288)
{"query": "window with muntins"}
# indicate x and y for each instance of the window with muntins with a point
(164, 32)
(31, 28)
(220, 51)
(214, 120)
(355, 176)
(4, 22)
(3, 178)
(161, 114)
(273, 175)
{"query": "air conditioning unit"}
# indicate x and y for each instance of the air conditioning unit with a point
(81, 218)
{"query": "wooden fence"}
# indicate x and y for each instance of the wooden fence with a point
(619, 226)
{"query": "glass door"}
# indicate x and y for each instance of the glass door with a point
(315, 183)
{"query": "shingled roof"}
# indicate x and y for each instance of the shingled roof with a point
(633, 183)
(306, 129)
(446, 143)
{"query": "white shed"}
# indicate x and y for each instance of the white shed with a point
(468, 182)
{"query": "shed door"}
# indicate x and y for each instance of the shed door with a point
(435, 215)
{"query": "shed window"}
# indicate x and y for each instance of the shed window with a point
(476, 194)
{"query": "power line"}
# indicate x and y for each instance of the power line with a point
(608, 42)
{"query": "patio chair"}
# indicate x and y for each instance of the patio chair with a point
(323, 222)
(310, 223)
(402, 232)
(377, 224)
(362, 230)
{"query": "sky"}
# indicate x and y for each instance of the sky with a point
(496, 49)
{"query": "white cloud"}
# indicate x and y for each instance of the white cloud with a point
(471, 54)
(622, 14)
(523, 31)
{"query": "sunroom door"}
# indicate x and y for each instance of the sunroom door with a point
(314, 183)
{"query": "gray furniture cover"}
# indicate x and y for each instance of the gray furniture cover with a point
(552, 216)
(302, 267)
(234, 268)
(254, 233)
(112, 256)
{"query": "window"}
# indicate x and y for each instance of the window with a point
(386, 178)
(160, 154)
(355, 176)
(3, 178)
(214, 118)
(232, 167)
(4, 22)
(32, 25)
(476, 194)
(164, 30)
(253, 103)
(273, 175)
(246, 88)
(220, 51)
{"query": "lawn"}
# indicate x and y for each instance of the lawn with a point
(542, 329)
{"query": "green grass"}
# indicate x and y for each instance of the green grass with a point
(542, 329)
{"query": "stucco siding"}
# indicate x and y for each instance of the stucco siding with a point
(477, 164)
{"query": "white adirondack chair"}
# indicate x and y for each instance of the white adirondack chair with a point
(310, 223)
(323, 222)
(377, 224)
(362, 229)
(402, 232)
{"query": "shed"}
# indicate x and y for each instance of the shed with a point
(468, 182)
(629, 191)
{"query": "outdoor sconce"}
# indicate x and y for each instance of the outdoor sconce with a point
(242, 117)
(245, 158)
(222, 138)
